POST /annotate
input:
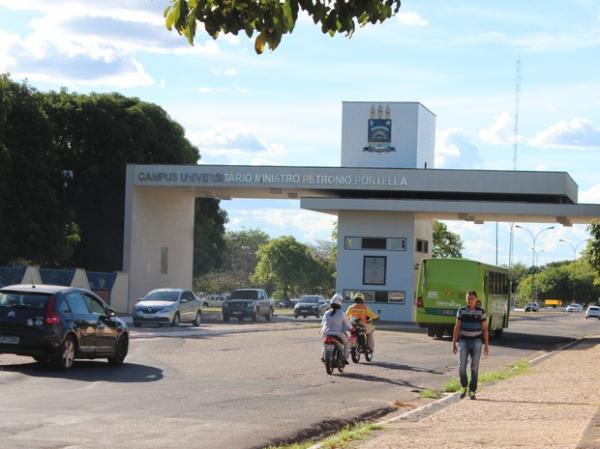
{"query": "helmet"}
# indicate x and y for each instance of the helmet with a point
(359, 297)
(336, 299)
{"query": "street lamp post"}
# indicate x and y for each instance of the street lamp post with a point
(534, 238)
(574, 248)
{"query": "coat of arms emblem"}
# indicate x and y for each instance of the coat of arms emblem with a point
(379, 130)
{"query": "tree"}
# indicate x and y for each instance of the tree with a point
(593, 249)
(241, 248)
(209, 228)
(34, 227)
(283, 263)
(271, 19)
(446, 244)
(62, 176)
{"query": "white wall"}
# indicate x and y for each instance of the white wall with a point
(413, 135)
(158, 218)
(399, 269)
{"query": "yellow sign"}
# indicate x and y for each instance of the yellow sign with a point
(553, 302)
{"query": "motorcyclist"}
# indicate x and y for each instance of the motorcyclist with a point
(366, 316)
(335, 323)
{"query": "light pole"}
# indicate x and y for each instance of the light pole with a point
(534, 238)
(574, 248)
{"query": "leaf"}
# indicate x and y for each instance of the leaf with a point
(288, 15)
(259, 44)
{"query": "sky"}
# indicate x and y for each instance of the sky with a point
(457, 58)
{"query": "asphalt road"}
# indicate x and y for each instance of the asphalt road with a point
(239, 385)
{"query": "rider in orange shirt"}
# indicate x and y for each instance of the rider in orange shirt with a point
(365, 315)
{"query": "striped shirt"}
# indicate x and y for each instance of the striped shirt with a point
(470, 321)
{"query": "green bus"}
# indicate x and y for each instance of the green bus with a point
(442, 286)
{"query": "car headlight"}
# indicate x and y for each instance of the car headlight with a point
(250, 304)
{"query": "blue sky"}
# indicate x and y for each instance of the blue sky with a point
(284, 107)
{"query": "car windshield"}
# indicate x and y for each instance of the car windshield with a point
(309, 299)
(244, 294)
(162, 295)
(25, 300)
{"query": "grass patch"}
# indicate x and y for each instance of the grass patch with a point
(304, 445)
(517, 369)
(340, 440)
(349, 434)
(429, 394)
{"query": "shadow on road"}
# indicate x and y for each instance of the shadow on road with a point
(401, 367)
(372, 378)
(534, 342)
(90, 371)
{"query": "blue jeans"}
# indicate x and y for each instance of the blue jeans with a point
(469, 347)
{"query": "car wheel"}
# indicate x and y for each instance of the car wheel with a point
(254, 316)
(205, 304)
(197, 319)
(225, 317)
(176, 320)
(303, 316)
(318, 315)
(66, 354)
(295, 316)
(121, 349)
(269, 315)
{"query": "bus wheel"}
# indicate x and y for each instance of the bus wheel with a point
(430, 332)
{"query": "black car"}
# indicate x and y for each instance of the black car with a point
(56, 325)
(311, 305)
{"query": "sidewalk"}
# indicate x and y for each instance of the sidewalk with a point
(554, 405)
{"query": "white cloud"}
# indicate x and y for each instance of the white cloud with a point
(454, 149)
(83, 44)
(240, 146)
(501, 132)
(306, 226)
(577, 134)
(411, 19)
(591, 195)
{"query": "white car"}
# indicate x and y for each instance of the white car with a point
(592, 312)
(168, 306)
(214, 300)
(574, 308)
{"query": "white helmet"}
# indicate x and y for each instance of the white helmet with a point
(336, 299)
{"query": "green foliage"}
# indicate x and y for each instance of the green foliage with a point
(284, 264)
(429, 394)
(62, 175)
(209, 227)
(271, 19)
(446, 244)
(593, 249)
(219, 282)
(569, 281)
(34, 225)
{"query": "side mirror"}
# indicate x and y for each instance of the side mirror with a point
(110, 312)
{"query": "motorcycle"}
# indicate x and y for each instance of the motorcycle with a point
(358, 342)
(333, 354)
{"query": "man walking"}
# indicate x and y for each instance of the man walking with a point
(470, 328)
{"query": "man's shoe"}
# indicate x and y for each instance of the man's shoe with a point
(472, 395)
(346, 362)
(463, 393)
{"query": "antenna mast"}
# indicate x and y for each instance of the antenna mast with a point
(515, 144)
